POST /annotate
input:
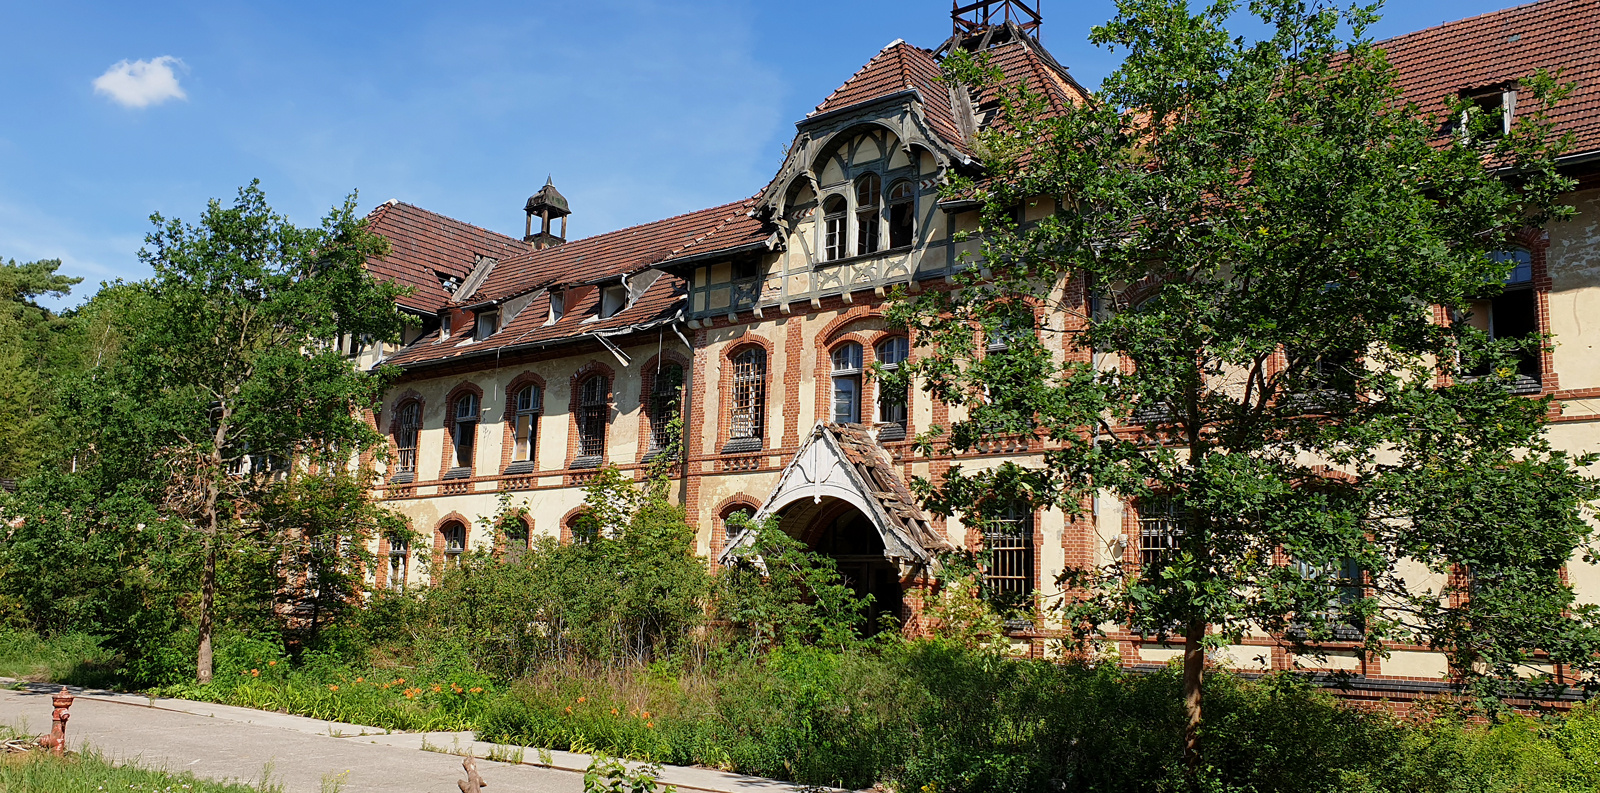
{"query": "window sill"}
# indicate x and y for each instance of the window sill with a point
(459, 472)
(588, 461)
(864, 257)
(403, 478)
(652, 456)
(891, 432)
(521, 467)
(742, 445)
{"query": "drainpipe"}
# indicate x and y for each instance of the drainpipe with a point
(684, 410)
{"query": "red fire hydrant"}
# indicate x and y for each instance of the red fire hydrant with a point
(56, 741)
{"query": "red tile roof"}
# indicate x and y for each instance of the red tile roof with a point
(1506, 45)
(426, 245)
(896, 68)
(625, 251)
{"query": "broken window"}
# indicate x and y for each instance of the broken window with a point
(466, 429)
(902, 214)
(1346, 585)
(612, 301)
(892, 401)
(868, 208)
(749, 395)
(1008, 543)
(666, 395)
(1489, 110)
(593, 410)
(408, 425)
(1512, 314)
(455, 544)
(847, 384)
(833, 240)
(530, 401)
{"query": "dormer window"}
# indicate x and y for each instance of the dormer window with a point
(558, 306)
(868, 208)
(488, 324)
(1499, 103)
(612, 301)
(444, 324)
(833, 239)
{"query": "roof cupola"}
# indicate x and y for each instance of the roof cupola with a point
(985, 23)
(547, 205)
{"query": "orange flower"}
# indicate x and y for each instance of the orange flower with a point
(455, 688)
(613, 711)
(255, 673)
(644, 714)
(582, 700)
(569, 708)
(476, 690)
(399, 681)
(333, 688)
(650, 725)
(360, 679)
(272, 663)
(436, 688)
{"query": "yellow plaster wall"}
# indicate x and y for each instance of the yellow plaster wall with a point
(1573, 259)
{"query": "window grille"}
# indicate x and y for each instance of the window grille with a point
(592, 414)
(1160, 530)
(1346, 584)
(1008, 541)
(466, 428)
(399, 563)
(833, 241)
(665, 398)
(902, 215)
(847, 384)
(455, 544)
(530, 401)
(749, 394)
(408, 427)
(892, 402)
(868, 208)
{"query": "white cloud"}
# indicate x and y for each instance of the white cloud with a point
(141, 83)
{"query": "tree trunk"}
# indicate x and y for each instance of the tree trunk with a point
(208, 593)
(1194, 664)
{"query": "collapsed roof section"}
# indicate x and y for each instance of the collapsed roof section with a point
(429, 251)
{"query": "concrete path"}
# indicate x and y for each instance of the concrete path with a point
(306, 755)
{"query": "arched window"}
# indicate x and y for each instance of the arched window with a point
(666, 398)
(593, 410)
(529, 403)
(517, 539)
(408, 425)
(749, 404)
(727, 519)
(847, 384)
(455, 543)
(399, 562)
(892, 401)
(868, 209)
(833, 220)
(466, 430)
(902, 214)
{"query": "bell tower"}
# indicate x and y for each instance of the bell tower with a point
(548, 204)
(987, 17)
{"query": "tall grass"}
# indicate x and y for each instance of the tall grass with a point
(37, 772)
(73, 658)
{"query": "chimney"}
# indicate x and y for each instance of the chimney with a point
(547, 204)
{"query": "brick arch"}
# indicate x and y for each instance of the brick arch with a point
(719, 530)
(447, 459)
(647, 383)
(438, 535)
(853, 315)
(725, 389)
(591, 369)
(567, 521)
(508, 441)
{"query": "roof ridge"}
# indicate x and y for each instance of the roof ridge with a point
(1464, 20)
(646, 223)
(394, 202)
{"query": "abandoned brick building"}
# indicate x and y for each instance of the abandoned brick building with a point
(540, 360)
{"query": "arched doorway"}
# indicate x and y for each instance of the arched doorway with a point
(840, 531)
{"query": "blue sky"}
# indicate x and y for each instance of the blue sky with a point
(640, 109)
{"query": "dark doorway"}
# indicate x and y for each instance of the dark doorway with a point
(849, 538)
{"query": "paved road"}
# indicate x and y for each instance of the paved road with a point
(221, 742)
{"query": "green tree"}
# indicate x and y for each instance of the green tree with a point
(226, 354)
(32, 342)
(1257, 231)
